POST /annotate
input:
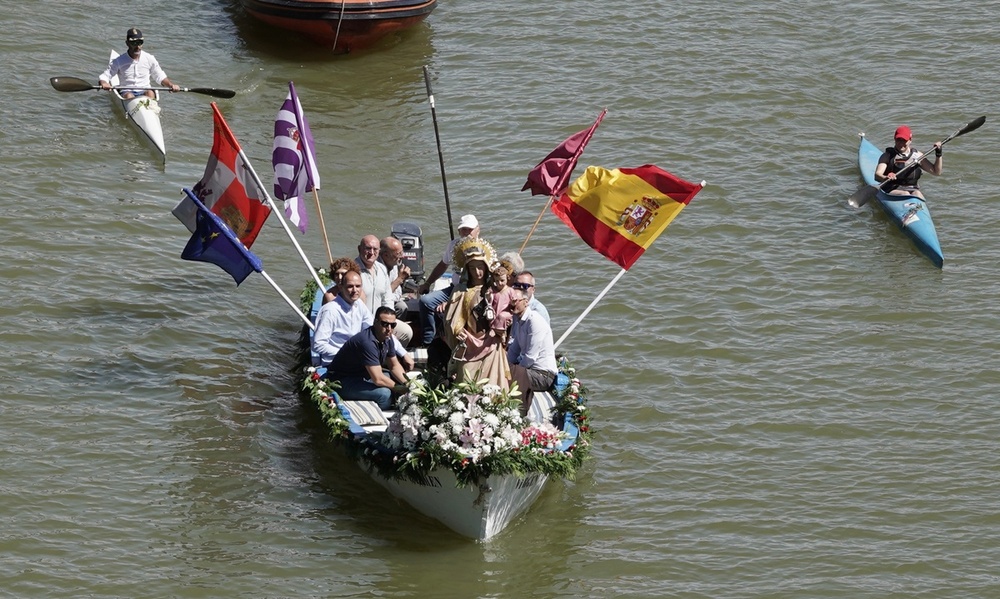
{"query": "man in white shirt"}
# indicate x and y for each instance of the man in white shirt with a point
(135, 68)
(391, 256)
(432, 302)
(530, 351)
(375, 284)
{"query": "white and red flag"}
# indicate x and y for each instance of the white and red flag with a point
(229, 188)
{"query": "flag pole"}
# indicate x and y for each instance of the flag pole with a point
(281, 218)
(590, 307)
(437, 136)
(535, 226)
(564, 176)
(322, 226)
(298, 311)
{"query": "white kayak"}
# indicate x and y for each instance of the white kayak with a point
(143, 114)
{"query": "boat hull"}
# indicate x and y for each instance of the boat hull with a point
(341, 27)
(143, 115)
(478, 511)
(909, 213)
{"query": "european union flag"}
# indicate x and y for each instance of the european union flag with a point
(214, 242)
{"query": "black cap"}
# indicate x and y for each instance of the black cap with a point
(133, 34)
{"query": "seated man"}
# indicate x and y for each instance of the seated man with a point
(344, 317)
(376, 290)
(432, 303)
(391, 256)
(526, 281)
(531, 353)
(366, 366)
(340, 319)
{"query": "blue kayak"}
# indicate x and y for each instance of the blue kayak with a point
(910, 213)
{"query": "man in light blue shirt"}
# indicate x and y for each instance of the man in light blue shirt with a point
(530, 351)
(339, 320)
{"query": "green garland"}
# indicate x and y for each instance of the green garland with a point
(415, 462)
(308, 295)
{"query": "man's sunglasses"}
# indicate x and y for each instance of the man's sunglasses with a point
(135, 42)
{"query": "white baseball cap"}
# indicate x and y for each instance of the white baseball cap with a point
(468, 222)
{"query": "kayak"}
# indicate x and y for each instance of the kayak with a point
(910, 213)
(143, 114)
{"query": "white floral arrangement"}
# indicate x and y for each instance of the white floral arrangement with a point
(474, 429)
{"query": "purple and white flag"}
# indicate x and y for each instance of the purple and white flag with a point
(294, 159)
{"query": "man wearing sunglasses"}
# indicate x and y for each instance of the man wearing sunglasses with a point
(367, 367)
(134, 69)
(525, 281)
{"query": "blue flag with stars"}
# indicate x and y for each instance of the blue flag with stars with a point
(215, 242)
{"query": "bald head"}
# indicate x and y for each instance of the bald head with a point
(368, 250)
(391, 252)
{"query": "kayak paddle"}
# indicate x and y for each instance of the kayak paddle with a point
(75, 84)
(866, 193)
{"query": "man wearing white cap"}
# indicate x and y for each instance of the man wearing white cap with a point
(430, 301)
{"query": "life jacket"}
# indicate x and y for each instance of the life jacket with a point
(896, 163)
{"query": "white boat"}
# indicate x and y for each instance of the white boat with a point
(476, 499)
(478, 510)
(143, 114)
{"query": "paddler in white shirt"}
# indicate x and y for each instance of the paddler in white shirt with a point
(135, 68)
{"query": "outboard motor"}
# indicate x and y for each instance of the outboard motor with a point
(412, 240)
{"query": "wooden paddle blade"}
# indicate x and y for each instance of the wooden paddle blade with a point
(862, 196)
(212, 91)
(71, 84)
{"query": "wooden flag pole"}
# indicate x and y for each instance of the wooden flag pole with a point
(535, 226)
(322, 226)
(281, 218)
(597, 299)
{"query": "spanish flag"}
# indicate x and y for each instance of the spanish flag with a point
(621, 212)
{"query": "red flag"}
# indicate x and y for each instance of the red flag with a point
(620, 212)
(550, 176)
(228, 188)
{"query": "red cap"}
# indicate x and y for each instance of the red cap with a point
(903, 132)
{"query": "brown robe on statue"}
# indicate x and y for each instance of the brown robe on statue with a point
(482, 354)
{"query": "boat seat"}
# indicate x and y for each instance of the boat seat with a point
(365, 413)
(542, 404)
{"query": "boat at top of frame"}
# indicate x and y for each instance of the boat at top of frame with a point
(341, 27)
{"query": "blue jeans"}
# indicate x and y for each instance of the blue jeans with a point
(359, 388)
(428, 312)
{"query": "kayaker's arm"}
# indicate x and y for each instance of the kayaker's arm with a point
(880, 175)
(937, 166)
(166, 83)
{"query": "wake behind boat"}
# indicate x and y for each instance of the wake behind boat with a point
(143, 114)
(909, 213)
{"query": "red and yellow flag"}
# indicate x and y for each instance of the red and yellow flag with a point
(620, 212)
(228, 188)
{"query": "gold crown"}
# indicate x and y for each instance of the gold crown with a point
(472, 248)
